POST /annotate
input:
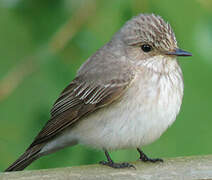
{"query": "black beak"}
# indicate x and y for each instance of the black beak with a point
(179, 52)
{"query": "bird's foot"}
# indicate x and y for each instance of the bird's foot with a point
(117, 165)
(145, 158)
(153, 160)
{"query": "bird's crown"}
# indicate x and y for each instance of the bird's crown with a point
(150, 29)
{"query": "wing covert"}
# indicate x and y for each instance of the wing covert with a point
(78, 99)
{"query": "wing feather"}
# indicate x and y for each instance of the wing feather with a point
(77, 100)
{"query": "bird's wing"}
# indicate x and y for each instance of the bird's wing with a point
(79, 99)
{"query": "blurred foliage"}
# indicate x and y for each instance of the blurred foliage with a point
(43, 43)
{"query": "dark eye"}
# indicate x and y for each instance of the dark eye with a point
(146, 47)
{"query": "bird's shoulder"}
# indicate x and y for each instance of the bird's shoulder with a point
(89, 91)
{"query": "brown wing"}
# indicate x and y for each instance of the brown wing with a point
(77, 100)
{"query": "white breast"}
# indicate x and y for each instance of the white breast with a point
(146, 110)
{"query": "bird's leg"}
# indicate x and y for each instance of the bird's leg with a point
(144, 158)
(110, 162)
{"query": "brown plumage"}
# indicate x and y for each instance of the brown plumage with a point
(76, 100)
(125, 95)
(30, 155)
(150, 29)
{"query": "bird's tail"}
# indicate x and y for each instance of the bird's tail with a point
(25, 159)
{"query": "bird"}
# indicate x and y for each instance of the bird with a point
(124, 96)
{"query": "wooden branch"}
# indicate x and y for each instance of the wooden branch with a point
(184, 168)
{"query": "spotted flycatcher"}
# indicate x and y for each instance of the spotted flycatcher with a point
(124, 96)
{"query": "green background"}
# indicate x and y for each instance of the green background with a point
(44, 42)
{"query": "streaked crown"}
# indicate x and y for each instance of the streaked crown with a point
(150, 29)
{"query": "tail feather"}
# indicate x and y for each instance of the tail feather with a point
(25, 159)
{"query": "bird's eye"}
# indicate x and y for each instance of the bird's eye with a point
(146, 48)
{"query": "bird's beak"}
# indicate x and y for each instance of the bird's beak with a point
(179, 52)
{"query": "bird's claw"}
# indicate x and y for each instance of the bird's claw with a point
(117, 165)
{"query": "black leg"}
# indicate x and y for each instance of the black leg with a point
(110, 162)
(144, 158)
